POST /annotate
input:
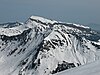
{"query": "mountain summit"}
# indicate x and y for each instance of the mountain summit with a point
(44, 47)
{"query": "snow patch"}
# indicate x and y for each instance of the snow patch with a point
(81, 26)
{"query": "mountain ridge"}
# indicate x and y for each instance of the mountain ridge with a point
(42, 47)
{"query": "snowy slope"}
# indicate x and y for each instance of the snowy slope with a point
(42, 47)
(88, 69)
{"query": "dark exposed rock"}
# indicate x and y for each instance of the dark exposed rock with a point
(63, 66)
(97, 46)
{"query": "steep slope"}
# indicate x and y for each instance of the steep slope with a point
(67, 47)
(43, 47)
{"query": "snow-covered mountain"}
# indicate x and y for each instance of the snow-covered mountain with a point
(44, 47)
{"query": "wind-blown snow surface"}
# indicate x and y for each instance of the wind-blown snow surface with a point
(88, 69)
(42, 47)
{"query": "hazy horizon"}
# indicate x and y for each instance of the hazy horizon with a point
(77, 11)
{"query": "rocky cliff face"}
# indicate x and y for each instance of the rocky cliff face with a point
(43, 47)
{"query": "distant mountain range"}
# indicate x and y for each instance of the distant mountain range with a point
(46, 47)
(94, 26)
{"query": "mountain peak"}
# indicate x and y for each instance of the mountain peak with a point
(44, 20)
(43, 47)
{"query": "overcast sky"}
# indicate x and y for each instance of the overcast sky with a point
(77, 11)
